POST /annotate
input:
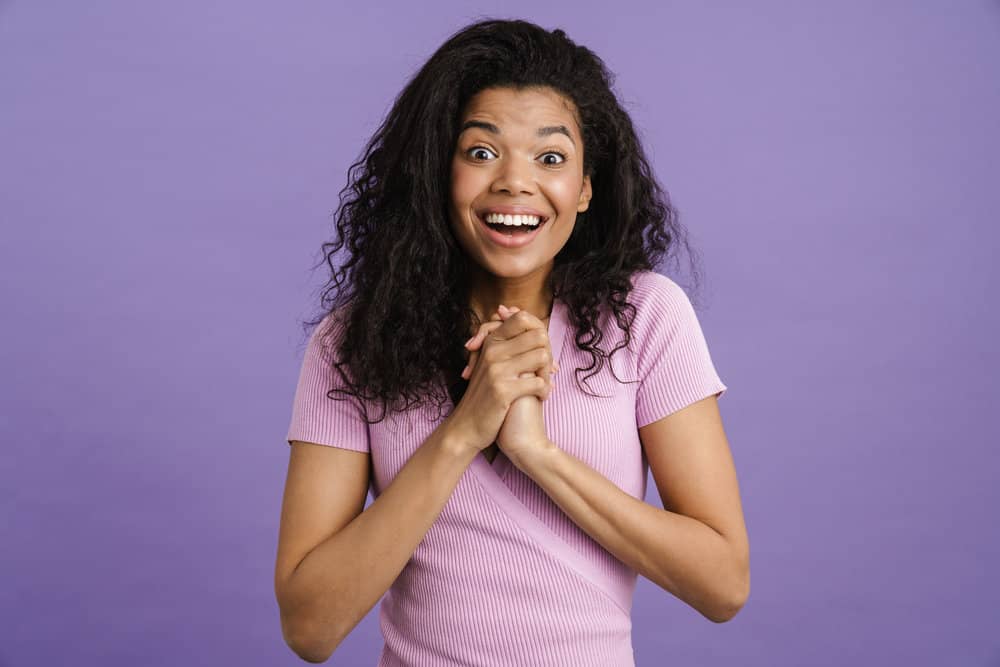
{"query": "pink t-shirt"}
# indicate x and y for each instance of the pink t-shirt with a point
(504, 576)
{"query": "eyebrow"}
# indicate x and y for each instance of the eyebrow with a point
(542, 131)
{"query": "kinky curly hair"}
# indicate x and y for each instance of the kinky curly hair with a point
(402, 295)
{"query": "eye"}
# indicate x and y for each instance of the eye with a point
(562, 158)
(475, 149)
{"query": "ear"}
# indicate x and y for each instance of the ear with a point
(585, 194)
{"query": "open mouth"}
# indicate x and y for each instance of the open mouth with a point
(511, 236)
(513, 230)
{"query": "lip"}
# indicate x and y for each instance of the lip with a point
(515, 240)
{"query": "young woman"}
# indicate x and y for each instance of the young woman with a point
(502, 223)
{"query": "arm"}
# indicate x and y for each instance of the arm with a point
(335, 561)
(696, 547)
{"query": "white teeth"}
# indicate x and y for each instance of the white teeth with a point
(513, 220)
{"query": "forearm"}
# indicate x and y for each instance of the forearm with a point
(340, 580)
(680, 554)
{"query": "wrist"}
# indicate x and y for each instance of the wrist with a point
(536, 458)
(455, 445)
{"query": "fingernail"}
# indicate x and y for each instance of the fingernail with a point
(504, 309)
(469, 342)
(464, 371)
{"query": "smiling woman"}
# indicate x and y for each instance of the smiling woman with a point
(504, 219)
(516, 160)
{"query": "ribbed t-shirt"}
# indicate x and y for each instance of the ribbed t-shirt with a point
(503, 576)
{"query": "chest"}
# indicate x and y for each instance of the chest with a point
(600, 430)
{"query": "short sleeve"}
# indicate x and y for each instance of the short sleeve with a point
(675, 368)
(335, 422)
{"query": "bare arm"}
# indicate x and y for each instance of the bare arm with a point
(697, 546)
(335, 561)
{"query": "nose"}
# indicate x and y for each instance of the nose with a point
(514, 177)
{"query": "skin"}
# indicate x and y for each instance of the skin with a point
(696, 547)
(516, 166)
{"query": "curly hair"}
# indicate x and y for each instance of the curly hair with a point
(402, 293)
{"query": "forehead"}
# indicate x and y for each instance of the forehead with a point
(523, 110)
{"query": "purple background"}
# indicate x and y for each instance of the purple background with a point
(168, 173)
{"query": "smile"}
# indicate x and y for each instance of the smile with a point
(513, 236)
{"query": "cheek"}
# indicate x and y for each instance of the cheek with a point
(463, 185)
(565, 192)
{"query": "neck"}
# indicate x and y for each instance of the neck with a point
(525, 293)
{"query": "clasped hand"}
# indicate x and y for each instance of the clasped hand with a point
(522, 433)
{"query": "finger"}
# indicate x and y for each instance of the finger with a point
(475, 342)
(484, 328)
(507, 312)
(474, 357)
(502, 314)
(511, 311)
(530, 322)
(516, 323)
(496, 318)
(554, 368)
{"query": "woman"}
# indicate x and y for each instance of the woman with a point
(504, 219)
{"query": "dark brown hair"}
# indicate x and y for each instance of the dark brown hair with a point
(401, 294)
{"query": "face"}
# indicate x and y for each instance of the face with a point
(517, 152)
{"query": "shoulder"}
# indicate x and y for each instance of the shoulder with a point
(325, 339)
(650, 283)
(657, 297)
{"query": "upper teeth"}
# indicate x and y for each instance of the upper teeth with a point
(499, 218)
